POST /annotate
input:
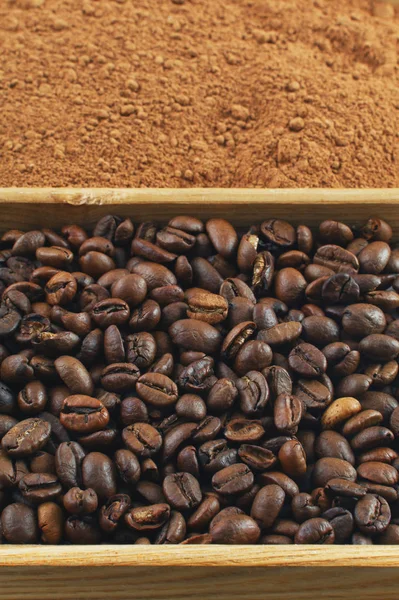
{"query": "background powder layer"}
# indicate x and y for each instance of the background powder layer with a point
(178, 93)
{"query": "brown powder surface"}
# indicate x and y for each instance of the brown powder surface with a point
(183, 93)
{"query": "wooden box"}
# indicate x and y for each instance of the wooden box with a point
(196, 572)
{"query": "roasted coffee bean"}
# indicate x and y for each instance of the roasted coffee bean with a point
(19, 524)
(26, 438)
(80, 502)
(303, 507)
(198, 376)
(32, 399)
(235, 479)
(253, 393)
(244, 431)
(192, 334)
(331, 468)
(307, 360)
(83, 414)
(68, 464)
(333, 444)
(336, 258)
(204, 306)
(192, 395)
(288, 410)
(156, 389)
(119, 377)
(292, 458)
(142, 439)
(281, 333)
(147, 517)
(40, 487)
(50, 521)
(267, 505)
(372, 514)
(256, 457)
(182, 491)
(221, 396)
(98, 472)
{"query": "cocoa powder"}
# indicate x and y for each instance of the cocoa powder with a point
(180, 93)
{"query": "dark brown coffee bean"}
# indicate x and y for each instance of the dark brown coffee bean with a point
(83, 414)
(372, 437)
(333, 444)
(278, 232)
(223, 236)
(26, 438)
(380, 401)
(221, 396)
(253, 393)
(280, 334)
(157, 389)
(119, 377)
(336, 258)
(39, 487)
(292, 458)
(374, 257)
(256, 457)
(128, 466)
(147, 517)
(175, 437)
(113, 511)
(142, 439)
(267, 505)
(288, 410)
(244, 431)
(99, 473)
(342, 523)
(307, 360)
(192, 334)
(331, 468)
(19, 524)
(235, 479)
(378, 472)
(191, 407)
(80, 502)
(372, 514)
(236, 338)
(315, 531)
(379, 347)
(204, 513)
(343, 487)
(182, 491)
(303, 508)
(235, 529)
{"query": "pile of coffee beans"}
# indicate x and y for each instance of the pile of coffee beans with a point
(197, 384)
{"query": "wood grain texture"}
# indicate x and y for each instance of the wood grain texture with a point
(200, 556)
(197, 583)
(50, 207)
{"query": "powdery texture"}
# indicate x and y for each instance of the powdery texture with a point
(178, 93)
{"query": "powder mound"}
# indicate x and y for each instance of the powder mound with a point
(182, 93)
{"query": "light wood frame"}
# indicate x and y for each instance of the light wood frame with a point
(197, 572)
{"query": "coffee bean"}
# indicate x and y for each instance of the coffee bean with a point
(142, 439)
(99, 474)
(234, 479)
(19, 524)
(83, 414)
(267, 505)
(50, 522)
(315, 531)
(372, 514)
(235, 529)
(26, 438)
(40, 487)
(336, 258)
(292, 458)
(182, 491)
(340, 410)
(307, 360)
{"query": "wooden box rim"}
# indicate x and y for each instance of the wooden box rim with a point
(207, 555)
